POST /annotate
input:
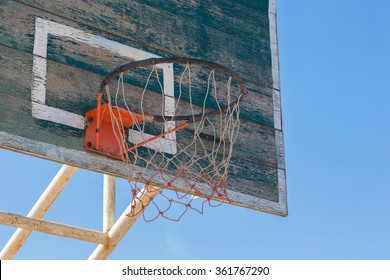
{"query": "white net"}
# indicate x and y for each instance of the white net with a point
(178, 147)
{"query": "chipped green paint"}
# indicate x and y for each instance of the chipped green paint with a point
(235, 34)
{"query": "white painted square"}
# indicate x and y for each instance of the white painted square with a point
(38, 91)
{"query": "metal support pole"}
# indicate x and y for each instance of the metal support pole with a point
(108, 202)
(38, 210)
(124, 223)
(19, 221)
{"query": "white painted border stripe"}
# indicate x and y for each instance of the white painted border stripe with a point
(274, 44)
(277, 109)
(38, 91)
(44, 112)
(40, 37)
(51, 27)
(169, 104)
(277, 106)
(159, 145)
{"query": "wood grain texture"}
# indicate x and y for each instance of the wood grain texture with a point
(97, 163)
(74, 90)
(257, 106)
(231, 34)
(74, 70)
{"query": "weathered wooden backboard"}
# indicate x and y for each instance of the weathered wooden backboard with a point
(54, 54)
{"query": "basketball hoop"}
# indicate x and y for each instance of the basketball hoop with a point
(173, 123)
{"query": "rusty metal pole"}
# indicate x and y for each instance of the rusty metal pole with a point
(108, 202)
(38, 210)
(124, 223)
(48, 227)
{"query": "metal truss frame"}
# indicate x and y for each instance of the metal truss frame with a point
(112, 233)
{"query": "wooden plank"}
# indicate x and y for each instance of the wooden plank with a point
(16, 102)
(256, 106)
(196, 34)
(237, 189)
(234, 17)
(74, 72)
(74, 90)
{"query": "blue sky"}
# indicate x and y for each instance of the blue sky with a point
(334, 63)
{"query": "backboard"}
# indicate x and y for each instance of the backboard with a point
(54, 54)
